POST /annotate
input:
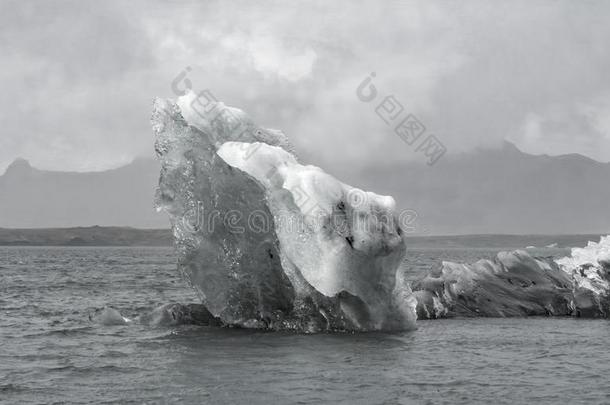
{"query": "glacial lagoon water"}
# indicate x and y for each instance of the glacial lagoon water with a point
(52, 352)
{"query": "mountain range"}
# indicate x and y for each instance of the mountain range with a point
(33, 198)
(501, 191)
(484, 191)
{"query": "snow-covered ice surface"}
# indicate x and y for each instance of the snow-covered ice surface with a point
(267, 241)
(518, 284)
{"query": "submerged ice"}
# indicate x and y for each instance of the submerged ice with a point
(267, 241)
(165, 315)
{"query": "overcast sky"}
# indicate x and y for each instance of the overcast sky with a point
(78, 77)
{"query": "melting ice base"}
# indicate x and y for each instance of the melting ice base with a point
(165, 315)
(267, 241)
(271, 243)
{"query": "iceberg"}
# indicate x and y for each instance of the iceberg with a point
(589, 269)
(267, 241)
(518, 284)
(108, 316)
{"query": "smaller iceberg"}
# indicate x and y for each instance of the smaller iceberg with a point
(518, 284)
(589, 270)
(108, 316)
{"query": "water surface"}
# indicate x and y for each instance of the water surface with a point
(51, 352)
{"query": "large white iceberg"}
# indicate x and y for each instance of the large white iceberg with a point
(267, 241)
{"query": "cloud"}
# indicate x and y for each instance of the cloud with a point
(70, 70)
(570, 128)
(264, 53)
(78, 77)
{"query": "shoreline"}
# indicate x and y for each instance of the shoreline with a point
(127, 236)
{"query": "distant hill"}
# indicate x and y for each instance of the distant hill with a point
(32, 198)
(123, 236)
(487, 191)
(90, 236)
